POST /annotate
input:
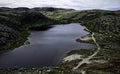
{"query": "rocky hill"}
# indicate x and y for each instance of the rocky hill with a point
(14, 26)
(104, 25)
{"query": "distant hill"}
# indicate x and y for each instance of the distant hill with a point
(19, 20)
(16, 22)
(48, 9)
(115, 9)
(21, 9)
(14, 25)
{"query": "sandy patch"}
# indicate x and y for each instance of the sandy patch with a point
(72, 57)
(87, 38)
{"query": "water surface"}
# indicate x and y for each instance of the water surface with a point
(46, 47)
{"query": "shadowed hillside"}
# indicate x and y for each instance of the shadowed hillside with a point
(14, 26)
(104, 25)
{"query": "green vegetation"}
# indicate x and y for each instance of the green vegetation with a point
(15, 23)
(85, 52)
(107, 61)
(14, 26)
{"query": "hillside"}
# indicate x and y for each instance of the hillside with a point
(104, 25)
(106, 28)
(14, 26)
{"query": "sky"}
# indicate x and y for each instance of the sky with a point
(73, 4)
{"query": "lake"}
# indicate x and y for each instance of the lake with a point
(46, 48)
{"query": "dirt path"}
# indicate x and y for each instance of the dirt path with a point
(86, 60)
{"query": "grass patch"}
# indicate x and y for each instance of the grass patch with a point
(86, 52)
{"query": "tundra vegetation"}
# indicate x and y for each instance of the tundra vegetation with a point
(16, 22)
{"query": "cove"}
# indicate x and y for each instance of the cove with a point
(46, 47)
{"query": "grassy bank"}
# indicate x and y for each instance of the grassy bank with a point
(15, 23)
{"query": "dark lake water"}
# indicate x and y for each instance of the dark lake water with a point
(46, 47)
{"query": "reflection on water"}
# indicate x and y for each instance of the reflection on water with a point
(46, 47)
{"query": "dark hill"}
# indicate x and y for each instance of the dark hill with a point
(14, 26)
